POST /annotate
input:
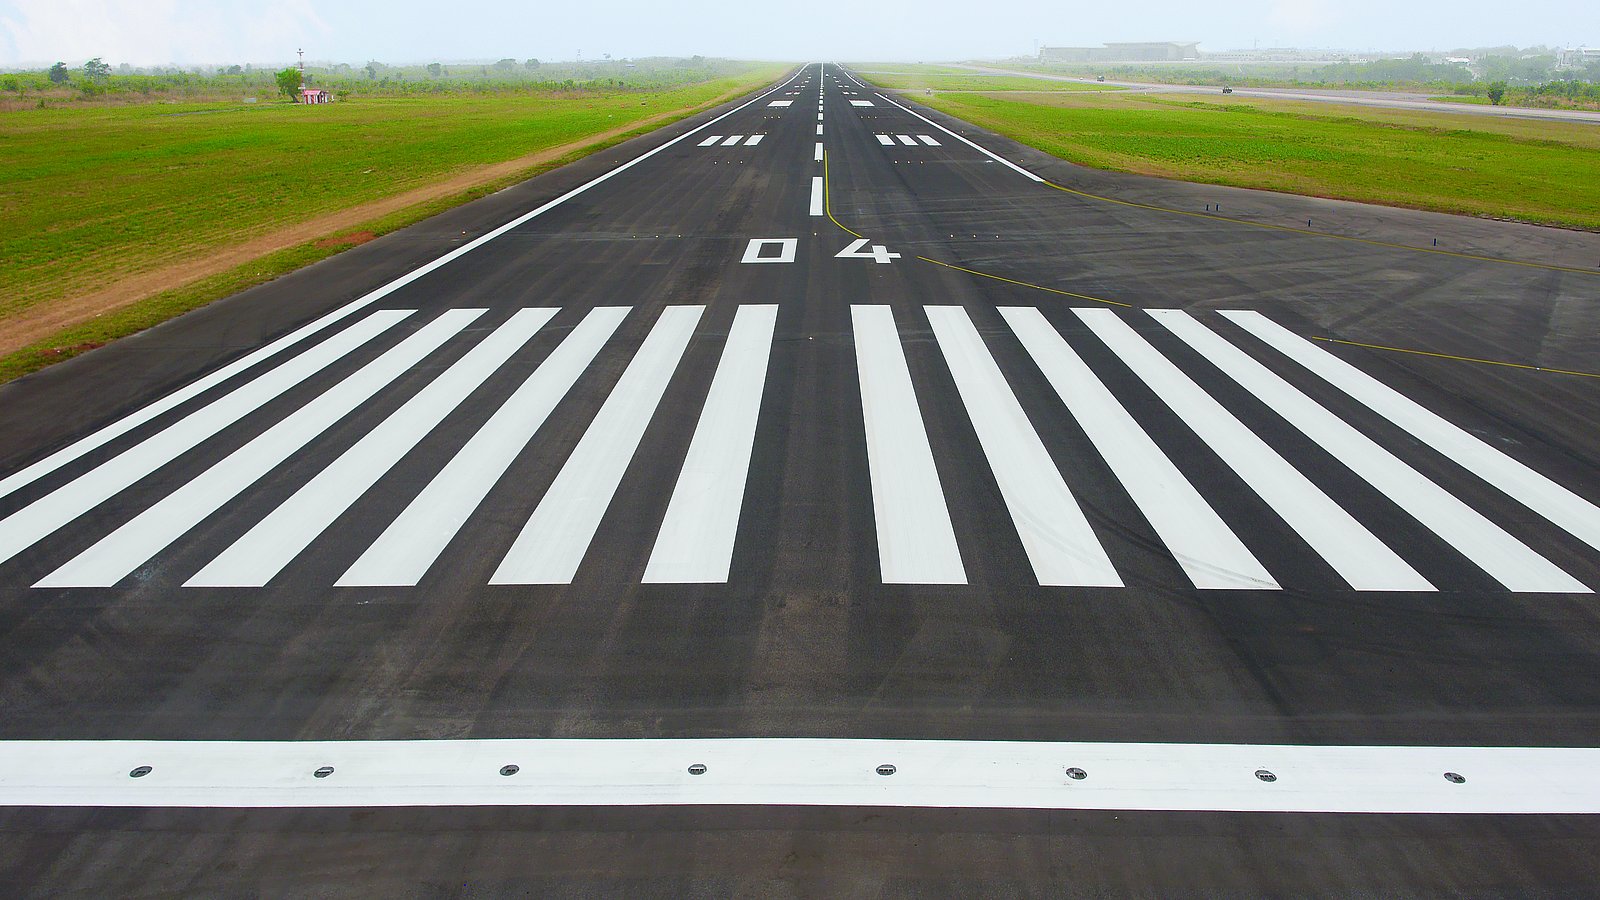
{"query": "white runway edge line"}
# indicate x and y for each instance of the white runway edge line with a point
(413, 541)
(122, 426)
(1486, 545)
(1364, 562)
(695, 543)
(817, 208)
(1060, 544)
(916, 542)
(116, 555)
(42, 517)
(989, 153)
(1574, 514)
(1209, 553)
(275, 541)
(804, 772)
(553, 542)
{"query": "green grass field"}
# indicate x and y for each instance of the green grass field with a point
(92, 194)
(973, 81)
(1534, 171)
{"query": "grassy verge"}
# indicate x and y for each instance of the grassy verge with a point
(971, 81)
(99, 194)
(1525, 170)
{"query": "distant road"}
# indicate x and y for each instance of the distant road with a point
(1385, 99)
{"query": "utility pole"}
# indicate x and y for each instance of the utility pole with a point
(302, 53)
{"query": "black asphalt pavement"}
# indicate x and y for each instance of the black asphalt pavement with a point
(1384, 627)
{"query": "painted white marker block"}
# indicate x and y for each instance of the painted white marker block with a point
(786, 247)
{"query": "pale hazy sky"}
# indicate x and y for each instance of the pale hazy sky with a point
(147, 32)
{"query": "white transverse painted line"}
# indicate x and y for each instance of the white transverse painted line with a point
(122, 426)
(1506, 559)
(732, 140)
(928, 140)
(115, 556)
(916, 543)
(275, 541)
(885, 140)
(1569, 511)
(1203, 545)
(817, 196)
(25, 527)
(906, 139)
(1358, 556)
(780, 103)
(753, 140)
(711, 140)
(860, 102)
(411, 544)
(695, 544)
(804, 772)
(553, 543)
(992, 155)
(817, 153)
(1059, 542)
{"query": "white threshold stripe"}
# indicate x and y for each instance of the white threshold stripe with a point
(133, 420)
(122, 426)
(916, 542)
(274, 542)
(928, 140)
(817, 154)
(695, 543)
(1567, 510)
(1485, 544)
(413, 541)
(753, 140)
(1209, 553)
(885, 140)
(1364, 562)
(906, 139)
(27, 526)
(553, 542)
(732, 140)
(710, 140)
(1060, 544)
(115, 556)
(986, 152)
(817, 196)
(803, 772)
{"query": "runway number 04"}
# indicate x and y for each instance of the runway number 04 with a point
(877, 252)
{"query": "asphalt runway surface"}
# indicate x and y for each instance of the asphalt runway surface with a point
(908, 479)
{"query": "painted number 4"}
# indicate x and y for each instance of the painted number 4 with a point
(877, 252)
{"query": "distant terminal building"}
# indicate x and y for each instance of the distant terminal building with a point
(1577, 56)
(1142, 51)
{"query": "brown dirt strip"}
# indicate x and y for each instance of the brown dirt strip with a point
(39, 323)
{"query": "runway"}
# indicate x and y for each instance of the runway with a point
(811, 436)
